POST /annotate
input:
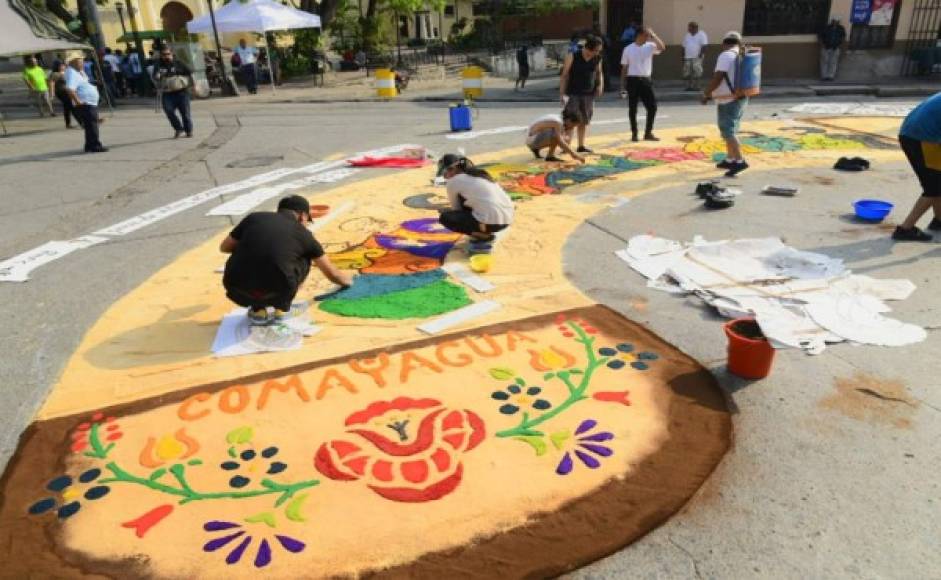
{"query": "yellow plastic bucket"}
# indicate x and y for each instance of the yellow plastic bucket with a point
(473, 81)
(385, 83)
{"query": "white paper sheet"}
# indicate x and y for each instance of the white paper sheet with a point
(460, 272)
(460, 316)
(237, 336)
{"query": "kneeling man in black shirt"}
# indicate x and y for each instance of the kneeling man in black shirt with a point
(271, 256)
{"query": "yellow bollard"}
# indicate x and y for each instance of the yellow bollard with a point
(385, 83)
(473, 82)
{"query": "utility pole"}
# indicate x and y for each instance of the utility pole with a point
(93, 24)
(119, 6)
(228, 85)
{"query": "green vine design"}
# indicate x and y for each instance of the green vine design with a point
(182, 487)
(527, 425)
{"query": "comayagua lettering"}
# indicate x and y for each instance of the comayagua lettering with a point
(447, 354)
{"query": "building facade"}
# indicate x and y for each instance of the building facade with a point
(895, 34)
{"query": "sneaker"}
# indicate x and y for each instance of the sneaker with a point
(535, 153)
(651, 137)
(552, 158)
(258, 317)
(735, 168)
(176, 134)
(935, 225)
(634, 138)
(911, 235)
(860, 162)
(282, 316)
(97, 150)
(188, 135)
(584, 150)
(706, 189)
(855, 164)
(724, 164)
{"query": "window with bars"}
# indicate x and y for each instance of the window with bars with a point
(868, 36)
(781, 17)
(449, 10)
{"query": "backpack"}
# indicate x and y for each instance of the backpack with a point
(747, 74)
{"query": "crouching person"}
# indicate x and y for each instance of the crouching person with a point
(479, 206)
(553, 132)
(271, 257)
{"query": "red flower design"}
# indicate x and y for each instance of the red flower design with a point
(419, 462)
(96, 433)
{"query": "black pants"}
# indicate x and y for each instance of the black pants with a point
(464, 222)
(68, 110)
(258, 299)
(87, 116)
(178, 101)
(250, 77)
(641, 89)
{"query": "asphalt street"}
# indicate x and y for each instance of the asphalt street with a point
(806, 491)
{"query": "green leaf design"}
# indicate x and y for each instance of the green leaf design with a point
(232, 453)
(535, 442)
(263, 518)
(240, 436)
(559, 438)
(576, 371)
(158, 474)
(519, 381)
(293, 509)
(194, 462)
(502, 373)
(547, 376)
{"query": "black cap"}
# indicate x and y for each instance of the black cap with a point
(446, 161)
(295, 203)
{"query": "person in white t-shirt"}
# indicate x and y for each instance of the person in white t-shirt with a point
(730, 108)
(479, 206)
(248, 55)
(553, 131)
(636, 84)
(693, 44)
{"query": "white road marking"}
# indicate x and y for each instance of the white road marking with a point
(855, 109)
(248, 201)
(17, 268)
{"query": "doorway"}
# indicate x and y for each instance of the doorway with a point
(620, 14)
(174, 17)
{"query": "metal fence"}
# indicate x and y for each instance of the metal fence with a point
(923, 47)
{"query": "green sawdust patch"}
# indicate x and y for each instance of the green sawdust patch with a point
(422, 302)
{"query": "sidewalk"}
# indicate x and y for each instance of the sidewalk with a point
(357, 88)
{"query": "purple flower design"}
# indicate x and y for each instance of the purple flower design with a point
(587, 448)
(233, 533)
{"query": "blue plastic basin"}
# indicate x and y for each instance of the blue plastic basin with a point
(872, 210)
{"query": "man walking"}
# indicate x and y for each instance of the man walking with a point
(636, 84)
(693, 44)
(582, 80)
(35, 78)
(84, 96)
(831, 40)
(730, 107)
(522, 64)
(248, 56)
(175, 81)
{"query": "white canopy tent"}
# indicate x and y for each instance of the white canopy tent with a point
(259, 16)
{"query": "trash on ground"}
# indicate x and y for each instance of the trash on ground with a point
(800, 299)
(851, 164)
(780, 190)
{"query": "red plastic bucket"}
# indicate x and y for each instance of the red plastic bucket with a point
(750, 353)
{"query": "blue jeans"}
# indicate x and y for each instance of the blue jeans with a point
(178, 101)
(730, 117)
(250, 77)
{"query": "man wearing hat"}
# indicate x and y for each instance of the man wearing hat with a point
(730, 108)
(84, 96)
(271, 257)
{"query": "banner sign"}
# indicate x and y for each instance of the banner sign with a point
(862, 9)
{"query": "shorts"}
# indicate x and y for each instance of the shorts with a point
(541, 140)
(692, 68)
(925, 159)
(523, 72)
(730, 117)
(582, 107)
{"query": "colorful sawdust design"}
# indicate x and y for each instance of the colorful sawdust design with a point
(400, 274)
(533, 179)
(277, 473)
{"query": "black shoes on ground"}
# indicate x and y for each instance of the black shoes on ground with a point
(736, 167)
(911, 235)
(535, 153)
(553, 158)
(935, 225)
(854, 164)
(97, 150)
(584, 150)
(651, 137)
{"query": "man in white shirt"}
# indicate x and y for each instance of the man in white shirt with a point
(693, 44)
(730, 107)
(84, 96)
(636, 84)
(552, 131)
(248, 55)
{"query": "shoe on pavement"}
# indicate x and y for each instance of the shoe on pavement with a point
(735, 168)
(188, 135)
(535, 153)
(584, 150)
(935, 225)
(651, 137)
(97, 150)
(258, 317)
(176, 134)
(553, 158)
(634, 138)
(724, 164)
(911, 235)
